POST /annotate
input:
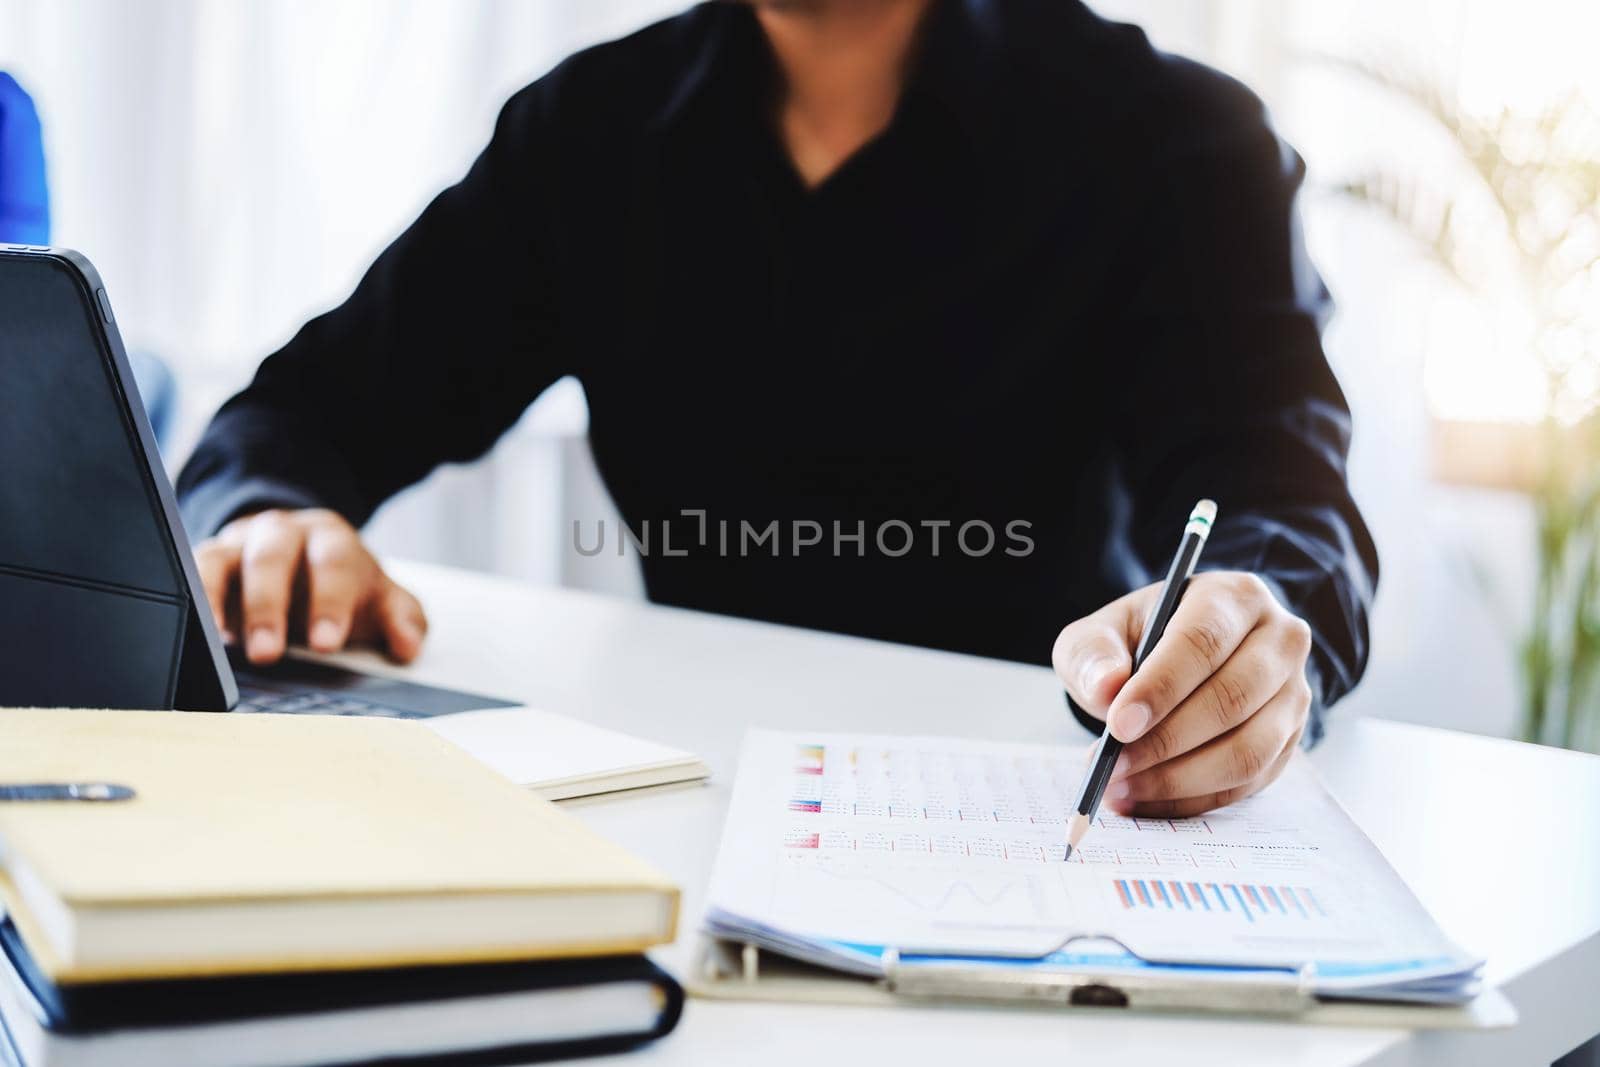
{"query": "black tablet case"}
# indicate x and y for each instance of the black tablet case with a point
(95, 571)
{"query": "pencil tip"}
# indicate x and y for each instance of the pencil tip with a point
(1068, 856)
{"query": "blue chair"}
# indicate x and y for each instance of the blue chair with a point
(24, 201)
(25, 220)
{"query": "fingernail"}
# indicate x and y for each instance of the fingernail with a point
(263, 643)
(1120, 771)
(1129, 722)
(229, 637)
(409, 633)
(1116, 792)
(325, 635)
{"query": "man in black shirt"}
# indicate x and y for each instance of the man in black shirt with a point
(926, 320)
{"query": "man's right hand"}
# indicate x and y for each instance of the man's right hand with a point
(306, 573)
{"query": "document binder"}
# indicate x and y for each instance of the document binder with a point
(905, 870)
(724, 969)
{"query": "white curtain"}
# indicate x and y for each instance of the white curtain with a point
(232, 165)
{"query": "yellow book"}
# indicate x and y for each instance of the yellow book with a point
(287, 842)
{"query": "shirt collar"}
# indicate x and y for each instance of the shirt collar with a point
(957, 62)
(984, 73)
(729, 64)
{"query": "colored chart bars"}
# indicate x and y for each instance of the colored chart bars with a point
(1251, 901)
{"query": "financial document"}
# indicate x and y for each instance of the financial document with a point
(839, 848)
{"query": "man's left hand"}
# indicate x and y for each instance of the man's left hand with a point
(1217, 709)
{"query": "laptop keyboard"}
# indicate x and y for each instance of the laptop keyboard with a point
(303, 687)
(262, 700)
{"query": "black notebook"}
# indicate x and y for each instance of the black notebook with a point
(435, 1016)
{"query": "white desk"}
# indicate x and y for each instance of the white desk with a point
(1523, 889)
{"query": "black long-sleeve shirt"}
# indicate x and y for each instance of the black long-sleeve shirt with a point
(1059, 299)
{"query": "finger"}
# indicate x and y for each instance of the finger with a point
(1250, 678)
(1187, 807)
(1092, 656)
(337, 570)
(273, 545)
(218, 565)
(234, 532)
(1236, 759)
(1207, 628)
(403, 622)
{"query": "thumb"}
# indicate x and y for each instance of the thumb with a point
(1092, 660)
(403, 622)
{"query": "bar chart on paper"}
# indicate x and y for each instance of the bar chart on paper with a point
(1245, 901)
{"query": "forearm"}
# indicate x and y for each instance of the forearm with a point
(251, 459)
(1276, 467)
(1237, 401)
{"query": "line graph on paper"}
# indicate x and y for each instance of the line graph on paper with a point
(939, 892)
(955, 895)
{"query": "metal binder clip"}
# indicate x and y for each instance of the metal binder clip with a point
(953, 978)
(89, 791)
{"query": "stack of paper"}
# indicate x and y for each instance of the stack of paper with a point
(847, 850)
(560, 757)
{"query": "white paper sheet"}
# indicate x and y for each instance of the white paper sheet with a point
(560, 757)
(945, 847)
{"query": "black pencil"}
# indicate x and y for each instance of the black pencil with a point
(1105, 758)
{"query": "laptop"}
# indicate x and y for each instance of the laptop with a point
(100, 602)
